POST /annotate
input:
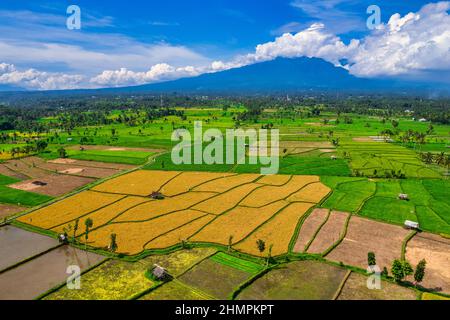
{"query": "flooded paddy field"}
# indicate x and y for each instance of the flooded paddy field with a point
(17, 245)
(35, 277)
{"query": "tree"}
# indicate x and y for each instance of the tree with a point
(371, 260)
(261, 245)
(230, 242)
(75, 229)
(395, 123)
(113, 244)
(88, 223)
(401, 269)
(41, 145)
(269, 255)
(420, 271)
(62, 153)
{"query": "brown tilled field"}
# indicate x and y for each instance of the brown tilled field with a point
(55, 184)
(355, 288)
(71, 169)
(8, 209)
(364, 236)
(330, 233)
(309, 228)
(4, 170)
(436, 251)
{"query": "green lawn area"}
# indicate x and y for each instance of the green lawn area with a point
(14, 196)
(428, 203)
(237, 263)
(301, 280)
(379, 158)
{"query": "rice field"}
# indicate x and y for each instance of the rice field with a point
(188, 211)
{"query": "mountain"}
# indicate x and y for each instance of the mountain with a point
(279, 75)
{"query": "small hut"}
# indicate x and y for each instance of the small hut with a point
(159, 273)
(411, 225)
(157, 195)
(333, 158)
(403, 196)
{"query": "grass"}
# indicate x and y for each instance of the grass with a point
(19, 197)
(355, 288)
(112, 280)
(237, 263)
(215, 279)
(301, 280)
(382, 158)
(378, 199)
(176, 290)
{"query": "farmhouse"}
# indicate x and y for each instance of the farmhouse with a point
(411, 224)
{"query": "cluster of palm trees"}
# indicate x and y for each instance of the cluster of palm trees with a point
(411, 136)
(440, 159)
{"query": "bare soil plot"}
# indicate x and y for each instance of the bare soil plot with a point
(309, 228)
(4, 170)
(436, 251)
(215, 279)
(26, 169)
(364, 236)
(111, 148)
(18, 245)
(94, 164)
(330, 233)
(43, 273)
(300, 280)
(355, 288)
(52, 184)
(70, 169)
(9, 209)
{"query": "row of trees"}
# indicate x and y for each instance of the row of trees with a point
(401, 269)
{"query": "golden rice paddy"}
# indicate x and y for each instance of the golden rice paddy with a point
(269, 194)
(180, 234)
(139, 183)
(186, 181)
(228, 183)
(237, 223)
(197, 207)
(69, 209)
(277, 232)
(227, 200)
(311, 193)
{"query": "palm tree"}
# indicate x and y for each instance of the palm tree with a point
(113, 243)
(440, 158)
(88, 223)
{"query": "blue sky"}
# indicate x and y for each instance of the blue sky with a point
(137, 35)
